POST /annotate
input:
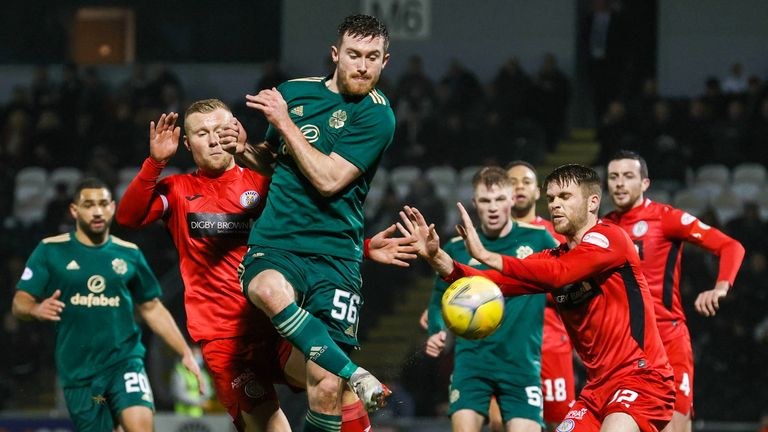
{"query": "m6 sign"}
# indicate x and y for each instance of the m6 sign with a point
(405, 19)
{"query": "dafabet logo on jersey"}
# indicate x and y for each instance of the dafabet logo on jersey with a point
(96, 285)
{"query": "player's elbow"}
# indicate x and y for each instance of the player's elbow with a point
(124, 219)
(328, 188)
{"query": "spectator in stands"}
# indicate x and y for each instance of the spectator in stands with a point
(464, 93)
(57, 218)
(758, 139)
(136, 88)
(614, 132)
(665, 154)
(415, 82)
(736, 81)
(511, 92)
(714, 97)
(730, 135)
(16, 138)
(643, 106)
(50, 142)
(748, 229)
(696, 134)
(604, 43)
(43, 90)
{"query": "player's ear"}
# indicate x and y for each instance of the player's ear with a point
(186, 143)
(645, 184)
(384, 60)
(334, 54)
(537, 194)
(73, 210)
(594, 203)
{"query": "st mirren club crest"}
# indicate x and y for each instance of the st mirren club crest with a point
(640, 228)
(249, 199)
(337, 120)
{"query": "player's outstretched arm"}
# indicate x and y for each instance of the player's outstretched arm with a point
(472, 241)
(425, 240)
(26, 307)
(385, 249)
(161, 322)
(329, 174)
(257, 157)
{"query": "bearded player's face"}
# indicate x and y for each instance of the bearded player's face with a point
(526, 191)
(568, 207)
(359, 61)
(625, 184)
(93, 210)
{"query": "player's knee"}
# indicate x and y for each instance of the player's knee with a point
(325, 395)
(270, 292)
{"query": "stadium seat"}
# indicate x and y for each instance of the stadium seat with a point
(401, 178)
(750, 173)
(727, 206)
(443, 178)
(67, 175)
(125, 175)
(762, 201)
(466, 174)
(690, 201)
(713, 173)
(746, 191)
(30, 195)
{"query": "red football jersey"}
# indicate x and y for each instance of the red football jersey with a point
(601, 296)
(209, 220)
(658, 231)
(555, 337)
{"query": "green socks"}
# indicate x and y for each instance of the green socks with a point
(317, 422)
(310, 335)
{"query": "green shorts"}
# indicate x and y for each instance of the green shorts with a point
(97, 407)
(518, 397)
(327, 287)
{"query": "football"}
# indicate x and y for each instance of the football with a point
(473, 307)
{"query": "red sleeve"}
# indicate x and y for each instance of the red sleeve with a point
(599, 251)
(367, 248)
(509, 285)
(680, 225)
(141, 204)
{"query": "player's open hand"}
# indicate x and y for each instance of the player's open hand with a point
(436, 344)
(708, 302)
(49, 309)
(468, 232)
(385, 249)
(164, 137)
(271, 103)
(232, 137)
(426, 242)
(190, 363)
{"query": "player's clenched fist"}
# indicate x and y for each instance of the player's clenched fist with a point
(232, 137)
(436, 344)
(708, 302)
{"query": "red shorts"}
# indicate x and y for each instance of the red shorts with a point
(647, 396)
(244, 369)
(680, 357)
(557, 384)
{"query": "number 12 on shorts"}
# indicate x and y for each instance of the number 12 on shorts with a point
(623, 396)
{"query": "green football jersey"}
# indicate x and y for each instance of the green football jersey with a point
(297, 217)
(515, 347)
(99, 285)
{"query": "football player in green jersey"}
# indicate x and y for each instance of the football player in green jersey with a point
(506, 364)
(87, 282)
(329, 135)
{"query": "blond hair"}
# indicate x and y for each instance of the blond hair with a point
(204, 106)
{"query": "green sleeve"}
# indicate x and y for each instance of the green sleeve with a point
(550, 241)
(272, 137)
(35, 277)
(435, 309)
(367, 137)
(144, 285)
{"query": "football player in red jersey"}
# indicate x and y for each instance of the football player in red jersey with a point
(658, 231)
(600, 293)
(557, 383)
(208, 214)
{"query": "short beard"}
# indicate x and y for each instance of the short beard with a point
(346, 88)
(94, 237)
(522, 211)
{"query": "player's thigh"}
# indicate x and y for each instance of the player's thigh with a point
(619, 422)
(580, 418)
(270, 278)
(266, 416)
(647, 396)
(557, 385)
(680, 356)
(129, 387)
(136, 419)
(522, 425)
(243, 370)
(679, 423)
(88, 408)
(469, 391)
(519, 397)
(333, 295)
(466, 420)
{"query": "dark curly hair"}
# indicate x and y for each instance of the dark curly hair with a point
(363, 26)
(583, 176)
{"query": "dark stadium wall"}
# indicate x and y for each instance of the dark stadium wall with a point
(482, 34)
(701, 38)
